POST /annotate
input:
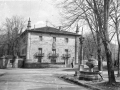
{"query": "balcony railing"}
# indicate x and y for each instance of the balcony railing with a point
(38, 55)
(66, 56)
(53, 56)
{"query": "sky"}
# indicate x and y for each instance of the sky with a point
(41, 12)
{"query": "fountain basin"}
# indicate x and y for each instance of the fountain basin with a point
(91, 63)
(89, 76)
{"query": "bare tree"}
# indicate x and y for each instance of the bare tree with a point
(81, 10)
(13, 27)
(106, 43)
(115, 17)
(77, 10)
(89, 46)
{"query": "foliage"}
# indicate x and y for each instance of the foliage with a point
(96, 14)
(13, 28)
(89, 46)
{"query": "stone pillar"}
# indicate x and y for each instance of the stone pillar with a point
(16, 62)
(80, 55)
(81, 66)
(77, 45)
(3, 59)
(29, 25)
(76, 49)
(2, 62)
(28, 49)
(28, 42)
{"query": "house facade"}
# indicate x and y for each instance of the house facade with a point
(49, 45)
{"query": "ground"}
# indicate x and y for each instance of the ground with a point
(96, 85)
(36, 79)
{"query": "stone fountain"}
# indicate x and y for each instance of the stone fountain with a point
(91, 63)
(91, 74)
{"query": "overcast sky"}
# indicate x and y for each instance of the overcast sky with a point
(39, 11)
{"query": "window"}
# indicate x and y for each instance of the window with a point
(41, 38)
(66, 51)
(66, 40)
(40, 50)
(54, 39)
(54, 51)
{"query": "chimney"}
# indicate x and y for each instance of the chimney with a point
(77, 29)
(59, 27)
(29, 25)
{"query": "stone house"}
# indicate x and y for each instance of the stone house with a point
(49, 45)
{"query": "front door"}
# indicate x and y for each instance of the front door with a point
(66, 59)
(66, 62)
(40, 55)
(53, 59)
(39, 59)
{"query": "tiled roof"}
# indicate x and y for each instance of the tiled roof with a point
(51, 30)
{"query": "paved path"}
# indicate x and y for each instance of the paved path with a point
(36, 79)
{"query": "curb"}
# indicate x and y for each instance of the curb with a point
(79, 83)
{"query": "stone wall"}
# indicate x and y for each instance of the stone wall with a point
(33, 42)
(46, 45)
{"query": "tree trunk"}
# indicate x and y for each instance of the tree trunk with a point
(110, 65)
(99, 52)
(118, 55)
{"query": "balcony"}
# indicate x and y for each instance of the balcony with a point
(53, 56)
(38, 55)
(66, 56)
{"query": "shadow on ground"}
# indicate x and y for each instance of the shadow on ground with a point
(55, 88)
(106, 86)
(71, 69)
